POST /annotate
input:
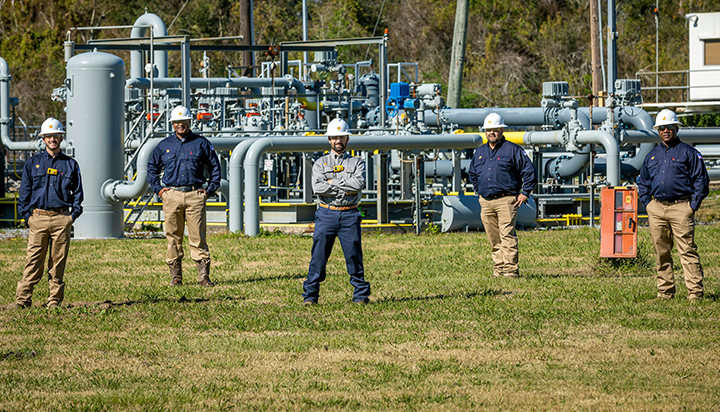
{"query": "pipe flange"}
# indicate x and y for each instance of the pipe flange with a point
(107, 191)
(5, 77)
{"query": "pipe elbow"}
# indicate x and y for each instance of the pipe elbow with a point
(107, 191)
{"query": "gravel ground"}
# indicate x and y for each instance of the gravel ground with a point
(13, 233)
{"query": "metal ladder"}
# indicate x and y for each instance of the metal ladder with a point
(137, 206)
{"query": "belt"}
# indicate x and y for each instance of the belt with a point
(351, 207)
(674, 201)
(51, 212)
(184, 189)
(498, 196)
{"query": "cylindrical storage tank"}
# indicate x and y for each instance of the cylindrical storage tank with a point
(95, 93)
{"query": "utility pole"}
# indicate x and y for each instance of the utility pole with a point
(246, 28)
(595, 50)
(458, 54)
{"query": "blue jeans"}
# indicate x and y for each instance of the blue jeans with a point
(329, 224)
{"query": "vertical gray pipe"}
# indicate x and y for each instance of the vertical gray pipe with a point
(160, 57)
(95, 111)
(186, 72)
(305, 37)
(235, 198)
(5, 118)
(383, 79)
(612, 47)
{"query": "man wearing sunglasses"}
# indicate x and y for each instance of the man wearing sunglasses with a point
(50, 200)
(184, 156)
(672, 184)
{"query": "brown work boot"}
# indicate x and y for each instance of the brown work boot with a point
(203, 267)
(176, 272)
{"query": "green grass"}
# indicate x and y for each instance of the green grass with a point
(574, 332)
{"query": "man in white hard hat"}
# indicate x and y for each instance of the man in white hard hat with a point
(672, 184)
(338, 179)
(50, 200)
(184, 156)
(503, 176)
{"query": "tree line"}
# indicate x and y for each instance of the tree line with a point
(512, 47)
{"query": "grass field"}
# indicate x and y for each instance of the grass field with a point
(574, 332)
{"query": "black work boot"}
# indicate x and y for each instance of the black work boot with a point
(176, 272)
(203, 267)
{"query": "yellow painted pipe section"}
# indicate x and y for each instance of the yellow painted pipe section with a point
(308, 104)
(515, 137)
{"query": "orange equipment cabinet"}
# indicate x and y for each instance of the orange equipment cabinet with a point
(618, 222)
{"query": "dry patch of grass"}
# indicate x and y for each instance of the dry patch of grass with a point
(572, 333)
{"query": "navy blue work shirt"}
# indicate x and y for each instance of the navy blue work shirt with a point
(673, 172)
(184, 162)
(505, 169)
(50, 183)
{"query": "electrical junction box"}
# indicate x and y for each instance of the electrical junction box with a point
(618, 222)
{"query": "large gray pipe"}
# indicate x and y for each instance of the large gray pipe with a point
(117, 190)
(5, 118)
(308, 144)
(535, 116)
(559, 137)
(235, 175)
(159, 57)
(704, 135)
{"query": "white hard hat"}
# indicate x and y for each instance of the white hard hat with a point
(666, 117)
(337, 127)
(493, 121)
(180, 113)
(51, 126)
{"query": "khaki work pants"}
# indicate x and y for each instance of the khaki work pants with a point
(182, 208)
(668, 222)
(498, 217)
(46, 233)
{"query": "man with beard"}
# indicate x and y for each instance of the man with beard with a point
(338, 179)
(503, 176)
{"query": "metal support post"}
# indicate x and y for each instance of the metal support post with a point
(418, 199)
(186, 72)
(307, 166)
(381, 168)
(457, 177)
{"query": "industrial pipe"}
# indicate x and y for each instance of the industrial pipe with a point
(704, 135)
(117, 190)
(560, 137)
(235, 175)
(5, 118)
(160, 57)
(308, 144)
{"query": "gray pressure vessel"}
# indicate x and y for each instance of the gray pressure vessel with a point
(371, 82)
(95, 94)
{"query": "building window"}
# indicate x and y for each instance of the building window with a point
(712, 52)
